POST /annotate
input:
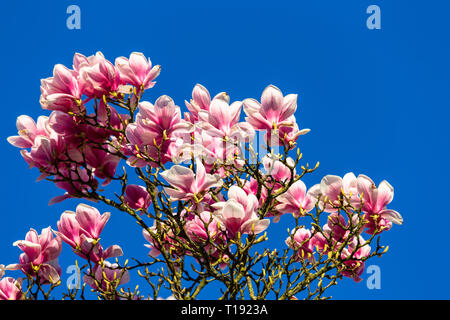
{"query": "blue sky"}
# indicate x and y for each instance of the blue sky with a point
(377, 102)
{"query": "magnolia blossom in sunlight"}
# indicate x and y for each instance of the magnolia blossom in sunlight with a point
(137, 197)
(375, 201)
(334, 190)
(40, 255)
(10, 289)
(62, 91)
(275, 114)
(222, 120)
(238, 214)
(99, 78)
(81, 230)
(274, 111)
(155, 132)
(28, 131)
(296, 200)
(137, 70)
(353, 257)
(300, 241)
(187, 185)
(201, 100)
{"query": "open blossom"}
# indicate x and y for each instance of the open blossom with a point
(10, 289)
(187, 185)
(336, 227)
(275, 115)
(28, 131)
(45, 145)
(137, 197)
(353, 258)
(300, 241)
(330, 191)
(278, 171)
(202, 226)
(137, 70)
(98, 77)
(77, 131)
(81, 230)
(251, 187)
(274, 110)
(222, 120)
(156, 126)
(40, 255)
(62, 91)
(375, 201)
(106, 276)
(295, 200)
(48, 151)
(239, 213)
(201, 100)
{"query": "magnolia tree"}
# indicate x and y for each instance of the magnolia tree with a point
(210, 184)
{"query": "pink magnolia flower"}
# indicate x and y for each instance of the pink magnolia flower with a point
(375, 201)
(10, 289)
(274, 110)
(46, 146)
(98, 76)
(202, 227)
(278, 171)
(49, 151)
(77, 131)
(81, 230)
(222, 120)
(159, 124)
(106, 276)
(275, 114)
(295, 200)
(287, 134)
(201, 100)
(80, 61)
(330, 191)
(29, 130)
(239, 213)
(353, 258)
(40, 256)
(300, 241)
(337, 228)
(137, 197)
(137, 70)
(61, 92)
(187, 185)
(251, 187)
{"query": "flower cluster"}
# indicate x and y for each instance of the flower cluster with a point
(209, 183)
(342, 198)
